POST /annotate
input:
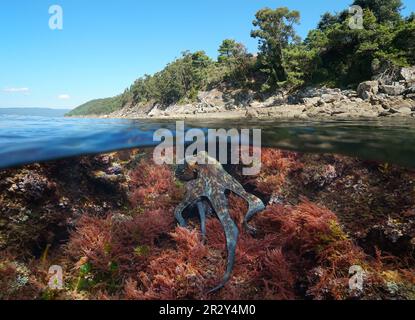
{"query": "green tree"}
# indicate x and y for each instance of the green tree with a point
(404, 42)
(327, 20)
(385, 10)
(299, 64)
(179, 80)
(275, 31)
(347, 57)
(230, 50)
(235, 62)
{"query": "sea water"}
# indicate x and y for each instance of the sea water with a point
(28, 139)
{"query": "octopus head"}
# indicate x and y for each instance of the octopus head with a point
(197, 163)
(202, 159)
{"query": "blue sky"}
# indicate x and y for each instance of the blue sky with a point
(105, 45)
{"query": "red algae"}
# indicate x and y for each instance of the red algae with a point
(308, 237)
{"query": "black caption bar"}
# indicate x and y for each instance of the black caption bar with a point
(154, 310)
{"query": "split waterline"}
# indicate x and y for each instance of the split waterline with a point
(25, 139)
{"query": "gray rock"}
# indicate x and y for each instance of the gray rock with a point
(349, 93)
(155, 112)
(404, 110)
(309, 95)
(115, 169)
(368, 89)
(384, 113)
(365, 95)
(211, 98)
(392, 90)
(256, 104)
(399, 102)
(408, 74)
(251, 113)
(243, 98)
(410, 91)
(329, 98)
(382, 96)
(311, 101)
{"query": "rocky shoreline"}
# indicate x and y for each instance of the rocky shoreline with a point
(384, 96)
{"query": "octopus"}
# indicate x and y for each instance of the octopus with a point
(207, 191)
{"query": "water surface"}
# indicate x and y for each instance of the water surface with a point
(28, 139)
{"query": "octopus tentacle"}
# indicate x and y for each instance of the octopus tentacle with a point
(255, 205)
(203, 208)
(194, 194)
(220, 206)
(178, 212)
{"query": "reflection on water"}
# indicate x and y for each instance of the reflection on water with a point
(391, 140)
(31, 139)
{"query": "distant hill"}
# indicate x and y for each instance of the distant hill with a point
(40, 112)
(98, 107)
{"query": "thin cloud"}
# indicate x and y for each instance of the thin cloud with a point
(16, 90)
(64, 97)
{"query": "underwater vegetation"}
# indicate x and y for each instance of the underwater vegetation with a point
(109, 222)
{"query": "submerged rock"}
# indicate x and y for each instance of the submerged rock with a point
(40, 203)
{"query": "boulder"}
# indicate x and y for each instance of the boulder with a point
(400, 105)
(329, 98)
(309, 102)
(155, 112)
(251, 113)
(32, 186)
(217, 100)
(408, 74)
(410, 92)
(243, 98)
(256, 104)
(312, 96)
(116, 169)
(404, 110)
(210, 98)
(368, 89)
(350, 94)
(357, 100)
(392, 90)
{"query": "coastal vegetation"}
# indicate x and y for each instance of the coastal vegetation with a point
(333, 54)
